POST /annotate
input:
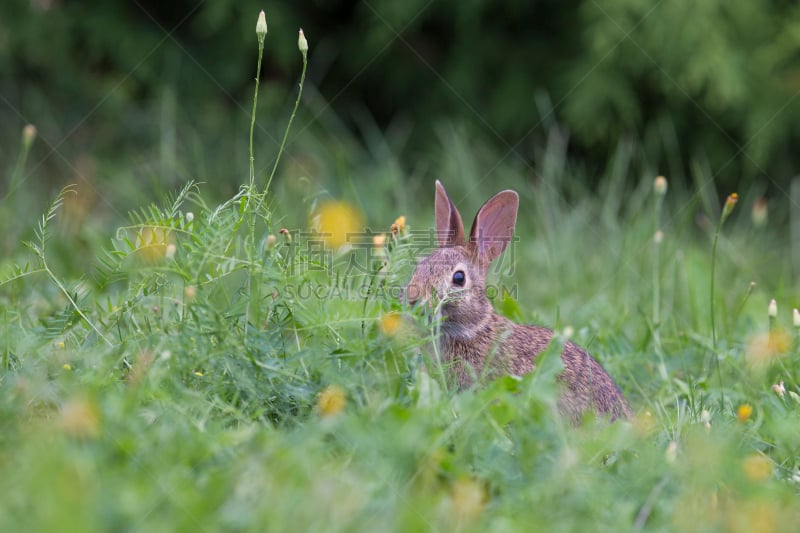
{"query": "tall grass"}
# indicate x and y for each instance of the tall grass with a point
(211, 374)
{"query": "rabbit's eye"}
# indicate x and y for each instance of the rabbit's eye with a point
(459, 278)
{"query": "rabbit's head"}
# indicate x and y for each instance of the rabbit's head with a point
(452, 279)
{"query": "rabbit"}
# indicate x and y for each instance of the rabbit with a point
(473, 336)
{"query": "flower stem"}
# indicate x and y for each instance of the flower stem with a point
(253, 114)
(289, 125)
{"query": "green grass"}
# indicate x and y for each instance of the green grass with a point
(201, 390)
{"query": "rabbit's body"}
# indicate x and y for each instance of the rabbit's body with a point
(476, 341)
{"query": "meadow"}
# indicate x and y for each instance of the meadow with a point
(247, 364)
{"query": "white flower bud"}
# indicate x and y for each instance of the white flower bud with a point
(189, 216)
(772, 308)
(660, 185)
(671, 453)
(28, 135)
(302, 44)
(170, 251)
(261, 25)
(796, 318)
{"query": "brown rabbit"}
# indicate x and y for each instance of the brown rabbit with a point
(473, 336)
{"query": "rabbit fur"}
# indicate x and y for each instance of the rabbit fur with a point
(474, 339)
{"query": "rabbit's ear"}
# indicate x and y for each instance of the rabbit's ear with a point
(494, 226)
(449, 227)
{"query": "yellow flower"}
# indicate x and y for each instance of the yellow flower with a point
(764, 349)
(743, 412)
(331, 401)
(198, 373)
(391, 323)
(337, 221)
(379, 240)
(67, 366)
(467, 500)
(152, 243)
(189, 292)
(756, 516)
(644, 424)
(756, 467)
(730, 203)
(399, 225)
(79, 418)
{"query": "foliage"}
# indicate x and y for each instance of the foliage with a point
(720, 77)
(320, 414)
(213, 371)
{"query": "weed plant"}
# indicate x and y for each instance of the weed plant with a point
(217, 372)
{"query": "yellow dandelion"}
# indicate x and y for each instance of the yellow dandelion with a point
(755, 516)
(644, 423)
(67, 366)
(730, 203)
(189, 292)
(198, 373)
(764, 349)
(744, 412)
(152, 243)
(336, 221)
(468, 499)
(79, 418)
(391, 324)
(756, 467)
(399, 225)
(331, 401)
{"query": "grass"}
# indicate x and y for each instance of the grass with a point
(147, 394)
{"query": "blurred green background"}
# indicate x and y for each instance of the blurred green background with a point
(134, 98)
